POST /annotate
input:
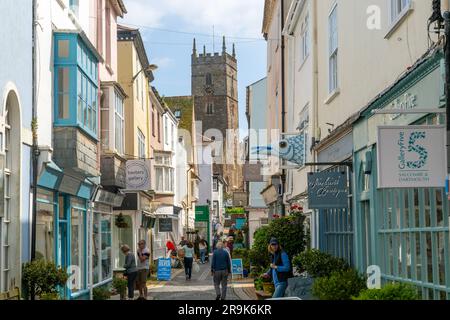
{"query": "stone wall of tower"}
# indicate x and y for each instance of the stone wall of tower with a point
(223, 95)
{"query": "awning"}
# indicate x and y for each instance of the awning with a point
(54, 178)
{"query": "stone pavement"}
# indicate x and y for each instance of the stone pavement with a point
(200, 287)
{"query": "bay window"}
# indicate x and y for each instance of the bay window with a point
(164, 173)
(76, 84)
(141, 144)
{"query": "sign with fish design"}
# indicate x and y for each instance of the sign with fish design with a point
(292, 149)
(411, 157)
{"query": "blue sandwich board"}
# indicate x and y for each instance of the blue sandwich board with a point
(164, 269)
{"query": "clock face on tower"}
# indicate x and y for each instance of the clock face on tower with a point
(209, 90)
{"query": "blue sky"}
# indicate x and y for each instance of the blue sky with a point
(239, 20)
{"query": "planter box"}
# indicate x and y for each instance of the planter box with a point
(300, 287)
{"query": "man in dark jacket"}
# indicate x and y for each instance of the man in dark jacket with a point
(220, 269)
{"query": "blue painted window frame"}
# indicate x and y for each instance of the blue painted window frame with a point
(83, 92)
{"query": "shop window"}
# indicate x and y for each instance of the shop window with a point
(124, 236)
(76, 84)
(101, 251)
(45, 225)
(77, 246)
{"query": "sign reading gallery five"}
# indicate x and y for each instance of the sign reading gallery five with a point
(138, 175)
(411, 157)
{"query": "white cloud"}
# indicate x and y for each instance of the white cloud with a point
(163, 62)
(237, 18)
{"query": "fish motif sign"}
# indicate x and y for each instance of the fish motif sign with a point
(291, 149)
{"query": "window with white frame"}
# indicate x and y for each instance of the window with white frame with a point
(333, 49)
(164, 172)
(399, 8)
(141, 144)
(215, 185)
(303, 127)
(119, 127)
(172, 136)
(305, 39)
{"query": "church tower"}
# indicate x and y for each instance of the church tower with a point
(214, 88)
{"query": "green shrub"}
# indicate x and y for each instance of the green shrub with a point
(258, 284)
(42, 278)
(288, 230)
(49, 296)
(101, 293)
(340, 285)
(120, 285)
(393, 291)
(318, 264)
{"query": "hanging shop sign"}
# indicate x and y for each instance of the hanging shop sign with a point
(138, 175)
(327, 190)
(165, 225)
(411, 157)
(252, 172)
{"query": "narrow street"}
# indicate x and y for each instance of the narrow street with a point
(200, 287)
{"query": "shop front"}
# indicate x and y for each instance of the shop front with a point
(62, 227)
(133, 221)
(202, 223)
(331, 225)
(167, 228)
(403, 229)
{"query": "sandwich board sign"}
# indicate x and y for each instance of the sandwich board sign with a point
(237, 268)
(164, 269)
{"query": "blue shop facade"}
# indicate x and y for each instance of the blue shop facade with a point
(404, 231)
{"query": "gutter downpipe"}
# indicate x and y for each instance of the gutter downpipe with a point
(283, 102)
(35, 148)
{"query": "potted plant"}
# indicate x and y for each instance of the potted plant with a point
(120, 222)
(268, 286)
(42, 279)
(120, 286)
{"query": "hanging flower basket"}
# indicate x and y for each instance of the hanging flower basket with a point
(120, 222)
(276, 216)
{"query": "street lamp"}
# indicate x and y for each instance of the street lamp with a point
(150, 68)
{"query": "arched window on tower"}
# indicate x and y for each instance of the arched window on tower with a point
(210, 108)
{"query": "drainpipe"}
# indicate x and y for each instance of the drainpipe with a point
(283, 103)
(315, 115)
(35, 148)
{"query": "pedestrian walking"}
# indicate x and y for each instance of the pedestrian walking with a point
(203, 247)
(280, 268)
(183, 242)
(230, 245)
(188, 259)
(130, 270)
(143, 266)
(220, 269)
